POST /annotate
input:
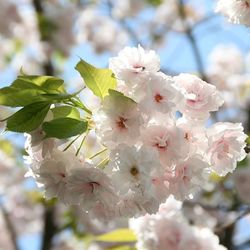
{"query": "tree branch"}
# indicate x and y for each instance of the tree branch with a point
(49, 229)
(10, 227)
(192, 41)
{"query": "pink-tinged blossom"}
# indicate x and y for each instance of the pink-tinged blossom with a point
(237, 11)
(161, 95)
(52, 173)
(201, 239)
(194, 135)
(133, 64)
(37, 147)
(118, 121)
(188, 177)
(168, 141)
(200, 97)
(226, 143)
(132, 170)
(88, 185)
(126, 8)
(100, 31)
(225, 60)
(169, 230)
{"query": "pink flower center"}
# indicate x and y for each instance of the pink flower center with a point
(158, 98)
(161, 142)
(121, 123)
(187, 136)
(62, 175)
(138, 66)
(161, 145)
(246, 4)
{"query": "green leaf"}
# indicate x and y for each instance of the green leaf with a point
(16, 98)
(117, 94)
(98, 80)
(121, 248)
(47, 83)
(62, 128)
(154, 2)
(28, 118)
(6, 147)
(65, 111)
(119, 235)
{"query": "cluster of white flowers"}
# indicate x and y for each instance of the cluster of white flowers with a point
(228, 70)
(127, 8)
(169, 230)
(167, 14)
(237, 11)
(100, 31)
(156, 141)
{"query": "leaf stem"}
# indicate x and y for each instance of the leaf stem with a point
(103, 163)
(98, 153)
(71, 143)
(78, 150)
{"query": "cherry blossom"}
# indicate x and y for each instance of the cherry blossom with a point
(237, 11)
(226, 146)
(133, 64)
(200, 98)
(118, 120)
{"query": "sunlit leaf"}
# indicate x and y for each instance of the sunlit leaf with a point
(65, 111)
(115, 93)
(119, 235)
(98, 80)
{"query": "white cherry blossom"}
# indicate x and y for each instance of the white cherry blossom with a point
(226, 146)
(237, 11)
(161, 95)
(52, 173)
(133, 64)
(168, 141)
(200, 97)
(134, 168)
(88, 185)
(188, 177)
(118, 121)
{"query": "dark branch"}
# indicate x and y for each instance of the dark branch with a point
(10, 227)
(49, 229)
(193, 42)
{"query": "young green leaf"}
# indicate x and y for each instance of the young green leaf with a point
(20, 97)
(47, 83)
(63, 128)
(14, 97)
(65, 111)
(117, 94)
(28, 118)
(119, 235)
(98, 80)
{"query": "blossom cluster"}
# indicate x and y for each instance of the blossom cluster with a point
(237, 11)
(153, 130)
(168, 229)
(228, 70)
